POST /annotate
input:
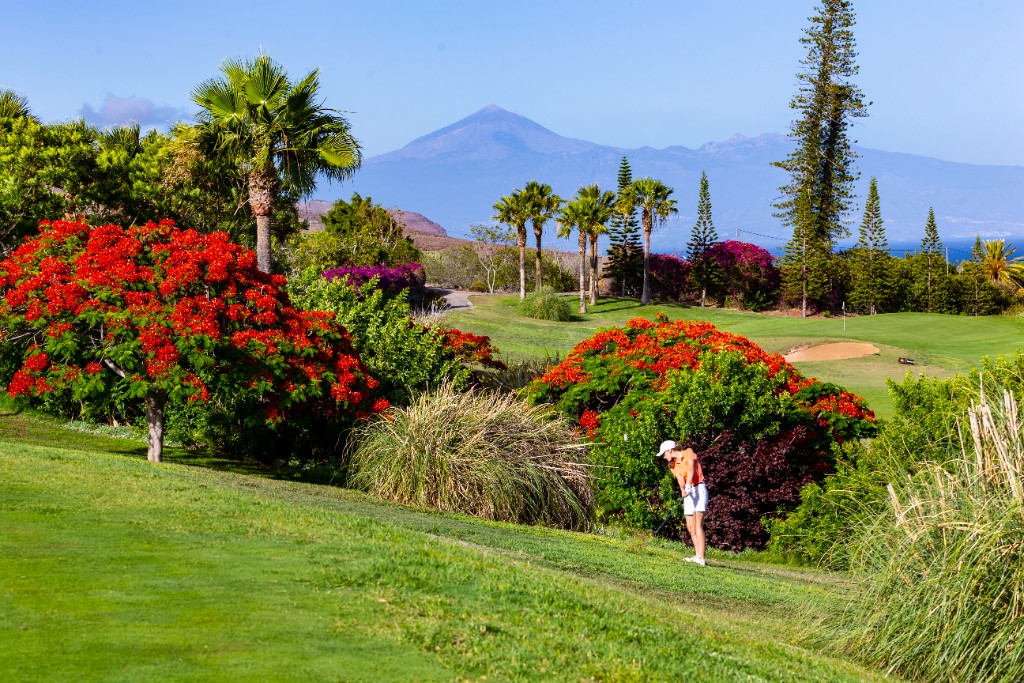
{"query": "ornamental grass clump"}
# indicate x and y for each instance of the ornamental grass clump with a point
(943, 596)
(480, 453)
(545, 304)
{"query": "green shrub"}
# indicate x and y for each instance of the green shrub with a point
(545, 304)
(831, 511)
(480, 453)
(943, 558)
(761, 429)
(402, 356)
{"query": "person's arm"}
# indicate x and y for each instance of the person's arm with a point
(679, 477)
(688, 478)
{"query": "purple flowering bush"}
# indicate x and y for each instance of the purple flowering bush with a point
(750, 275)
(670, 276)
(392, 279)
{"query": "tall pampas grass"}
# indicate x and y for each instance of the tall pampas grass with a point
(943, 562)
(482, 453)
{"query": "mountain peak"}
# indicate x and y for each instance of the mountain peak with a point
(489, 133)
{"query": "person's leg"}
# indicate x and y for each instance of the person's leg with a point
(695, 525)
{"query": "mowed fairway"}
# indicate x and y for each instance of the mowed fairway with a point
(940, 345)
(113, 568)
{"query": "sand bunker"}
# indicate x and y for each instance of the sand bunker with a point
(837, 351)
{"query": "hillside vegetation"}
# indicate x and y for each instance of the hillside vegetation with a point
(115, 568)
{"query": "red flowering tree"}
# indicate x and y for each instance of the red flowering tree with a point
(154, 312)
(762, 430)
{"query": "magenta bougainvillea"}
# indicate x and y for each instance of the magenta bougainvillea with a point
(748, 272)
(392, 279)
(152, 312)
(762, 430)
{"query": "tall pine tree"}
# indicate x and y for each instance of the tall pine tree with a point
(821, 166)
(706, 271)
(625, 252)
(872, 272)
(933, 262)
(805, 263)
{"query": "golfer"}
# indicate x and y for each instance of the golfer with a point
(686, 468)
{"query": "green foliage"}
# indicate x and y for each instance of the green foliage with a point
(706, 272)
(821, 166)
(871, 265)
(545, 304)
(919, 434)
(356, 233)
(761, 429)
(402, 356)
(625, 251)
(484, 454)
(941, 555)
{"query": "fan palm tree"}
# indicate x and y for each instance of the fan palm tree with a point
(588, 212)
(514, 211)
(544, 204)
(13, 105)
(575, 216)
(603, 208)
(999, 265)
(653, 198)
(278, 132)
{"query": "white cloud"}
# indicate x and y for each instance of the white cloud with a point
(117, 111)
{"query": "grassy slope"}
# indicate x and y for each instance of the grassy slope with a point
(940, 344)
(116, 569)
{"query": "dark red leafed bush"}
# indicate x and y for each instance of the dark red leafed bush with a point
(763, 431)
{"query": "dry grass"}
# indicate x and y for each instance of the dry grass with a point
(481, 453)
(944, 565)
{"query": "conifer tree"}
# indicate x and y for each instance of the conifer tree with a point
(625, 252)
(872, 281)
(804, 264)
(705, 270)
(931, 251)
(821, 166)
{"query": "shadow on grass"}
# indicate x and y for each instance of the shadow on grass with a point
(28, 426)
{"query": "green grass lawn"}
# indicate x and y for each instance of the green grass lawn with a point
(113, 568)
(941, 345)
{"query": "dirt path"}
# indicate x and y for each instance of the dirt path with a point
(837, 351)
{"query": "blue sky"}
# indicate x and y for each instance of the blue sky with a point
(946, 76)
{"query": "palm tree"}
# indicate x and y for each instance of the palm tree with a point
(603, 208)
(999, 266)
(574, 215)
(544, 204)
(514, 210)
(278, 132)
(653, 199)
(588, 212)
(13, 105)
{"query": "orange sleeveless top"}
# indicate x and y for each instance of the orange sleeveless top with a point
(691, 469)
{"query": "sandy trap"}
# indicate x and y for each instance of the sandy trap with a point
(837, 351)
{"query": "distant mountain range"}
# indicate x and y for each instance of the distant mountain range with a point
(454, 175)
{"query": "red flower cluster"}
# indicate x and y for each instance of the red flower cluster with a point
(473, 348)
(176, 310)
(656, 348)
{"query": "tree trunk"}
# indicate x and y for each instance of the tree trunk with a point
(583, 272)
(262, 183)
(521, 235)
(155, 401)
(645, 296)
(593, 270)
(537, 275)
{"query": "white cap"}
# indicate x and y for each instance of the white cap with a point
(666, 446)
